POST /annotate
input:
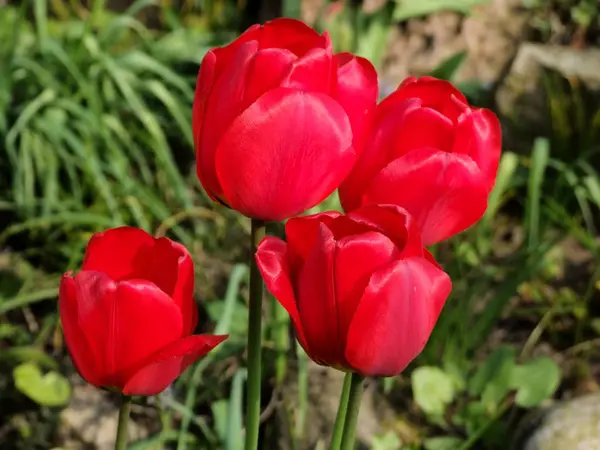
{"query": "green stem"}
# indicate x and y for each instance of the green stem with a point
(340, 418)
(254, 341)
(354, 399)
(121, 441)
(282, 341)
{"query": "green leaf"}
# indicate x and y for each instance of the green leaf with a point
(448, 68)
(433, 389)
(407, 9)
(493, 379)
(388, 441)
(535, 381)
(51, 389)
(442, 443)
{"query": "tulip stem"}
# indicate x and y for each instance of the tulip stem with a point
(121, 441)
(254, 341)
(354, 400)
(340, 418)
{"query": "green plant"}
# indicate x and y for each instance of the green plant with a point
(95, 123)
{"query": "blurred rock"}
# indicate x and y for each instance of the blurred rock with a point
(570, 425)
(324, 389)
(522, 96)
(90, 420)
(490, 35)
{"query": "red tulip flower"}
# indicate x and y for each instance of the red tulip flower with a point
(278, 119)
(129, 314)
(362, 292)
(430, 153)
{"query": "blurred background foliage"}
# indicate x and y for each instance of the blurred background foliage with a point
(95, 112)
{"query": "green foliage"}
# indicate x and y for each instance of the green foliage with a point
(97, 122)
(433, 389)
(535, 381)
(406, 9)
(50, 389)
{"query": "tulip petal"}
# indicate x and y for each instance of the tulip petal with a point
(434, 93)
(376, 154)
(393, 222)
(423, 127)
(284, 154)
(293, 35)
(395, 316)
(83, 357)
(224, 55)
(204, 84)
(125, 322)
(316, 302)
(478, 135)
(312, 73)
(356, 258)
(357, 91)
(301, 235)
(446, 193)
(173, 273)
(126, 242)
(268, 70)
(224, 104)
(168, 363)
(272, 261)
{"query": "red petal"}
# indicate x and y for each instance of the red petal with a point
(393, 222)
(116, 252)
(293, 35)
(478, 135)
(204, 84)
(267, 71)
(423, 127)
(174, 275)
(130, 253)
(357, 92)
(284, 154)
(125, 322)
(81, 352)
(446, 193)
(272, 260)
(395, 316)
(316, 302)
(433, 93)
(226, 54)
(224, 105)
(377, 153)
(301, 235)
(356, 258)
(312, 73)
(170, 362)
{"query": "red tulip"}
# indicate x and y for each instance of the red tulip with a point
(274, 118)
(430, 153)
(362, 292)
(129, 314)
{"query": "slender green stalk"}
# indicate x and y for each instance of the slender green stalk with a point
(354, 399)
(281, 340)
(254, 341)
(340, 418)
(121, 441)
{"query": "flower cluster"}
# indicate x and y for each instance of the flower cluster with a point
(280, 122)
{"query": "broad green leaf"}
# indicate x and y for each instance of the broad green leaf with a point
(493, 379)
(407, 9)
(51, 389)
(535, 381)
(388, 441)
(433, 389)
(448, 68)
(442, 443)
